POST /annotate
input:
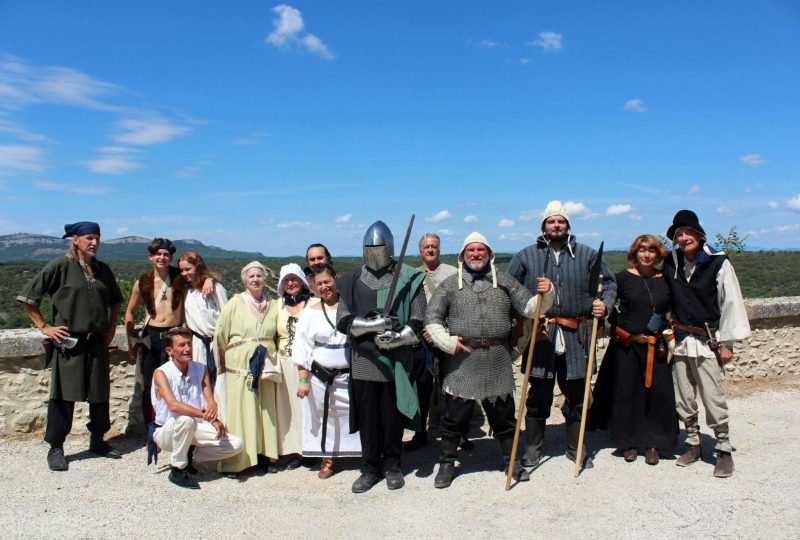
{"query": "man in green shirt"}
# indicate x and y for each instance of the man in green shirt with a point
(86, 301)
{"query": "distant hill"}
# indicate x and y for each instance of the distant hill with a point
(36, 247)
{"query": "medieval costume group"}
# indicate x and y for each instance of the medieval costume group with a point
(339, 366)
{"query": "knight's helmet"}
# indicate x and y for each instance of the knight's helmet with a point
(378, 246)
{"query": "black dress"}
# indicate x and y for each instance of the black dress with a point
(638, 417)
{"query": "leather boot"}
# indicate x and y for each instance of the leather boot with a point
(100, 447)
(56, 459)
(573, 435)
(445, 474)
(693, 454)
(724, 466)
(365, 482)
(534, 440)
(520, 474)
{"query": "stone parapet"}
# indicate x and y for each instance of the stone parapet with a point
(773, 350)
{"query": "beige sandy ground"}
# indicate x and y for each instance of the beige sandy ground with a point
(98, 498)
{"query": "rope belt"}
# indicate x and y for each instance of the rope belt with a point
(248, 340)
(242, 372)
(327, 376)
(625, 339)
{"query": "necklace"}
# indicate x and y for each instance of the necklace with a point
(325, 313)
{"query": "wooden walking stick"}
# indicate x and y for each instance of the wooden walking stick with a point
(588, 388)
(523, 395)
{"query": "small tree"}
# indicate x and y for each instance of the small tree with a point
(732, 242)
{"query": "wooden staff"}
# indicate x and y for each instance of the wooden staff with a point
(588, 388)
(523, 395)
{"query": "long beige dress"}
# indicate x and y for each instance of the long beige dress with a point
(290, 410)
(250, 415)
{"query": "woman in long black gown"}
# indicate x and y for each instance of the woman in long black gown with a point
(642, 411)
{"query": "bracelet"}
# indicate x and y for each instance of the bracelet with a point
(303, 381)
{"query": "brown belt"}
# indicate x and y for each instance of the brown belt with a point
(696, 330)
(482, 343)
(568, 322)
(625, 339)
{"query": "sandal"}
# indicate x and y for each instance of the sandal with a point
(325, 469)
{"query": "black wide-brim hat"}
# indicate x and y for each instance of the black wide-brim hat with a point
(685, 218)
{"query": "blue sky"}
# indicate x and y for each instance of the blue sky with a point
(264, 126)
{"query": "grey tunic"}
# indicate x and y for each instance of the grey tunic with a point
(569, 272)
(478, 311)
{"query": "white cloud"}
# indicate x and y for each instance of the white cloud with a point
(694, 190)
(636, 217)
(151, 130)
(20, 158)
(78, 189)
(579, 210)
(505, 223)
(635, 105)
(438, 216)
(472, 218)
(752, 159)
(121, 230)
(780, 229)
(725, 211)
(287, 28)
(193, 169)
(15, 130)
(618, 209)
(294, 224)
(793, 204)
(114, 160)
(490, 44)
(344, 218)
(22, 84)
(252, 139)
(547, 41)
(774, 204)
(316, 46)
(445, 232)
(530, 215)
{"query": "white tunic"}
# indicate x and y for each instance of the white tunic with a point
(316, 340)
(188, 390)
(201, 317)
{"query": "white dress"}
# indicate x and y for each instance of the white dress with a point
(316, 340)
(201, 318)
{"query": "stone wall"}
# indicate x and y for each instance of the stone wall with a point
(772, 351)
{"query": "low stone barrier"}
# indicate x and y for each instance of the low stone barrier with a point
(772, 351)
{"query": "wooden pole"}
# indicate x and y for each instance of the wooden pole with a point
(588, 388)
(523, 395)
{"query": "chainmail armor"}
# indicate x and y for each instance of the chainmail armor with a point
(476, 311)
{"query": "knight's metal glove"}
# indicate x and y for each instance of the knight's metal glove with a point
(374, 324)
(394, 340)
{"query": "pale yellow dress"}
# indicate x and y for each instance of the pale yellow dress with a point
(252, 416)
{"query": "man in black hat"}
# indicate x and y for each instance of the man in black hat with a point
(708, 317)
(86, 301)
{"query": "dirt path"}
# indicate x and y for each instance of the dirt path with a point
(101, 499)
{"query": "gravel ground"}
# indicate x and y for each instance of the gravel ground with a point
(99, 498)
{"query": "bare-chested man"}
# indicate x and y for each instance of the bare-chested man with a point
(161, 289)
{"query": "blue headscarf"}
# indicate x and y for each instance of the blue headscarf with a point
(81, 228)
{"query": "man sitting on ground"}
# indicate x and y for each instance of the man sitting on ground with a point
(186, 413)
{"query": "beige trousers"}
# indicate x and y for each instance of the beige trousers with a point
(693, 375)
(178, 434)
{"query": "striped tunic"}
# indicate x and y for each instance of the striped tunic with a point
(569, 271)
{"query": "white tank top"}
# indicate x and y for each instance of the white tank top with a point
(188, 390)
